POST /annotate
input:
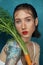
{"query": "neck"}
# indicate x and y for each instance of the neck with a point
(26, 39)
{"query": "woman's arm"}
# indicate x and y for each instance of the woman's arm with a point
(13, 53)
(10, 53)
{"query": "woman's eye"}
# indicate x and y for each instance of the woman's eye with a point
(18, 22)
(28, 20)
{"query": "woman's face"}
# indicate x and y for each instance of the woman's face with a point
(25, 23)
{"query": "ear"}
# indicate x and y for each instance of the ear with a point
(36, 21)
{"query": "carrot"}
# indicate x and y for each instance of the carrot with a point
(28, 60)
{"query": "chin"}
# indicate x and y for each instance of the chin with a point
(26, 36)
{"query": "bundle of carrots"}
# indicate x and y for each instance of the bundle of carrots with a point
(7, 26)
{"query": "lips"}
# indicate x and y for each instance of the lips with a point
(25, 32)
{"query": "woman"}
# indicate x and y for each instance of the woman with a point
(26, 23)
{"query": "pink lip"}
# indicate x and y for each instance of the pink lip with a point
(25, 32)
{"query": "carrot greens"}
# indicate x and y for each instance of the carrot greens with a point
(7, 25)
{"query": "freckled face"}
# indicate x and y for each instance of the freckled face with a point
(24, 23)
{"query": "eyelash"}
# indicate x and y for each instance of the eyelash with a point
(18, 22)
(28, 20)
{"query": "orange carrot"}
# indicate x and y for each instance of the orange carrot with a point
(28, 60)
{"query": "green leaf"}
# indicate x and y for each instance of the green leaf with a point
(6, 25)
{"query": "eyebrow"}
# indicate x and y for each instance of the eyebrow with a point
(24, 18)
(28, 17)
(17, 18)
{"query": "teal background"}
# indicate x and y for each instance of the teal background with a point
(10, 5)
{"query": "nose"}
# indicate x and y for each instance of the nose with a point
(23, 25)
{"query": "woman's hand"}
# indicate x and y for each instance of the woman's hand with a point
(33, 63)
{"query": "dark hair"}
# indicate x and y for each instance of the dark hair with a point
(26, 6)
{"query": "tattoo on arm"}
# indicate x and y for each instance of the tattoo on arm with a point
(13, 54)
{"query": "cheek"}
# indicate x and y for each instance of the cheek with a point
(18, 28)
(31, 28)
